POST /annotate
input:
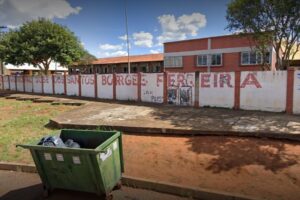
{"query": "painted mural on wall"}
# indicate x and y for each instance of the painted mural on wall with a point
(152, 87)
(216, 89)
(73, 85)
(181, 88)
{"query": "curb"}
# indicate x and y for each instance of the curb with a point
(158, 186)
(178, 132)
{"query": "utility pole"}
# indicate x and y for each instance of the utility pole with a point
(127, 36)
(1, 63)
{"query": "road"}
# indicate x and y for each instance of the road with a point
(27, 186)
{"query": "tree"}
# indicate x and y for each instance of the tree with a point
(268, 22)
(39, 43)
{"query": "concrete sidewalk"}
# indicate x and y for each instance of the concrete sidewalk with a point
(169, 119)
(27, 186)
(181, 120)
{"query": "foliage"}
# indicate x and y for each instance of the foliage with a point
(268, 22)
(39, 43)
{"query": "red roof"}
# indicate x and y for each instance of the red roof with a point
(132, 59)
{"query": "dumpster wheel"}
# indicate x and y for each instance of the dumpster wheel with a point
(46, 192)
(109, 196)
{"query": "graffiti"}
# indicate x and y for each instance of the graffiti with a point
(180, 88)
(152, 87)
(217, 80)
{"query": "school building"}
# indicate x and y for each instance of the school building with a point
(226, 53)
(150, 63)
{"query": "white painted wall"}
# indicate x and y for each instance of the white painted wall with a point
(296, 98)
(126, 88)
(152, 89)
(88, 85)
(6, 83)
(72, 85)
(59, 86)
(48, 88)
(12, 80)
(105, 86)
(181, 88)
(20, 84)
(268, 93)
(216, 89)
(28, 83)
(37, 84)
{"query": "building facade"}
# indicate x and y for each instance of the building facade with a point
(150, 63)
(215, 54)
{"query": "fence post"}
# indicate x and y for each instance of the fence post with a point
(114, 86)
(65, 83)
(290, 90)
(53, 84)
(79, 85)
(165, 87)
(237, 90)
(197, 90)
(32, 90)
(23, 83)
(9, 82)
(96, 85)
(2, 82)
(16, 83)
(139, 86)
(42, 80)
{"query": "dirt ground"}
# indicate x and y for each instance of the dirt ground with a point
(262, 169)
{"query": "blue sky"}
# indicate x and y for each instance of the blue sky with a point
(100, 24)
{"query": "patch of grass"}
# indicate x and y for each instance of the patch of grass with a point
(23, 122)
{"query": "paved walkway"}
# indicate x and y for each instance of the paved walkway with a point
(138, 117)
(25, 186)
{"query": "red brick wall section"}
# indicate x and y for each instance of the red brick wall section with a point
(53, 83)
(165, 88)
(114, 86)
(96, 85)
(65, 83)
(79, 85)
(290, 90)
(188, 45)
(23, 79)
(42, 81)
(237, 90)
(139, 87)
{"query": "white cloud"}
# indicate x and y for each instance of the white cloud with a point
(154, 51)
(111, 47)
(123, 37)
(15, 12)
(112, 53)
(143, 39)
(180, 28)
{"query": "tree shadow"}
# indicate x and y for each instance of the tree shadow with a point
(234, 153)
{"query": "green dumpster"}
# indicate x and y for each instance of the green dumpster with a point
(96, 167)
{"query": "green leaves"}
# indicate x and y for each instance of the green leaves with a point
(38, 43)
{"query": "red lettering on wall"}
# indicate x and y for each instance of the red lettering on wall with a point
(171, 80)
(205, 80)
(143, 80)
(134, 79)
(250, 80)
(225, 79)
(120, 80)
(128, 80)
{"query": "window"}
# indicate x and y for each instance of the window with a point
(212, 59)
(145, 69)
(134, 69)
(125, 69)
(105, 70)
(202, 60)
(254, 58)
(173, 61)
